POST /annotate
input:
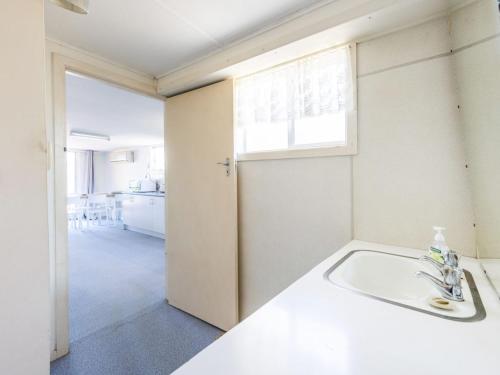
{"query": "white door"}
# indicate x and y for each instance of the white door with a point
(201, 205)
(149, 210)
(159, 215)
(133, 211)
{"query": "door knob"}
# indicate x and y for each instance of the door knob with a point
(226, 163)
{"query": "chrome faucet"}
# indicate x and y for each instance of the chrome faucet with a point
(451, 285)
(450, 259)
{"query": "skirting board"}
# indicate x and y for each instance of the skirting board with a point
(143, 231)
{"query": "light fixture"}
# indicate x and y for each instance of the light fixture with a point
(75, 133)
(77, 6)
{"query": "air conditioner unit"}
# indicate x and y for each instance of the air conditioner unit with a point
(121, 156)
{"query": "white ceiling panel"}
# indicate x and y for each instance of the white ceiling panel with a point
(229, 20)
(143, 35)
(96, 107)
(158, 36)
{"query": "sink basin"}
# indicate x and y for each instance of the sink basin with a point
(391, 278)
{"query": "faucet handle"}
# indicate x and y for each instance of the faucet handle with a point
(453, 278)
(452, 275)
(451, 258)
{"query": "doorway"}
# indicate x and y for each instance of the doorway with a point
(115, 204)
(63, 69)
(152, 337)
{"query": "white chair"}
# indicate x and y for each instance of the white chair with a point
(76, 211)
(119, 208)
(96, 208)
(72, 216)
(111, 208)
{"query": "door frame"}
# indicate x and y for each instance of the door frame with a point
(59, 64)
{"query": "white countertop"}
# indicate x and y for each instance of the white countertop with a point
(492, 269)
(144, 193)
(314, 327)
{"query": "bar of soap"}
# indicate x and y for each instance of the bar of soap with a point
(441, 303)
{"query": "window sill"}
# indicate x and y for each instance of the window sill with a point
(299, 153)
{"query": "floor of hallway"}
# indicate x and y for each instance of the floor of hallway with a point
(120, 322)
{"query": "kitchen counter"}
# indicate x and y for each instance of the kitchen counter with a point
(144, 212)
(145, 194)
(492, 269)
(314, 327)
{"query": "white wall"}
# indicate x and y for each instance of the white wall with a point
(116, 176)
(24, 259)
(293, 213)
(410, 171)
(476, 40)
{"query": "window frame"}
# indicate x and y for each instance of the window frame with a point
(154, 173)
(323, 149)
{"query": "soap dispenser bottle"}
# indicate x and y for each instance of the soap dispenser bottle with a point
(439, 249)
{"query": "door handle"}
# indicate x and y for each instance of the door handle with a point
(226, 163)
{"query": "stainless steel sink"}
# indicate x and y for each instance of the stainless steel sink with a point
(391, 278)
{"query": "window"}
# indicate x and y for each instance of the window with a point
(302, 108)
(79, 172)
(157, 162)
(71, 172)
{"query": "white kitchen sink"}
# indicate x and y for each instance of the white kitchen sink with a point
(391, 278)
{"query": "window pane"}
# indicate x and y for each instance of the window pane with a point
(300, 103)
(321, 129)
(157, 162)
(266, 136)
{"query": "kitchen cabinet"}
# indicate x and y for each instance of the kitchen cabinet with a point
(144, 213)
(159, 215)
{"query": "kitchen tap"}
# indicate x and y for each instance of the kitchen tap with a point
(451, 285)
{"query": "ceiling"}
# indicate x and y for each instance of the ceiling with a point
(275, 46)
(159, 36)
(96, 107)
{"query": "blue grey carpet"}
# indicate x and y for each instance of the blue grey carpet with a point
(158, 341)
(113, 274)
(119, 321)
